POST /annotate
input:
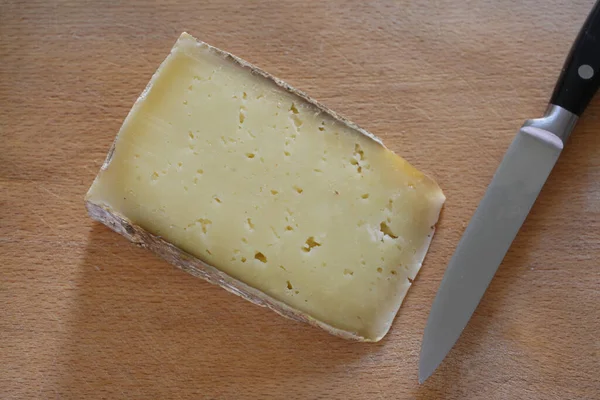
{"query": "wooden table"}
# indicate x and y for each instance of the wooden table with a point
(85, 314)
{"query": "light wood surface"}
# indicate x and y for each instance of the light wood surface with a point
(85, 314)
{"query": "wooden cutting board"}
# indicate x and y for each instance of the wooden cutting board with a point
(85, 314)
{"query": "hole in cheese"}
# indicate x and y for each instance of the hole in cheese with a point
(310, 244)
(260, 257)
(385, 229)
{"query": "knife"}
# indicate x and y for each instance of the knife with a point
(509, 197)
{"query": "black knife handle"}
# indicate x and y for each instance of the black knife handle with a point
(580, 76)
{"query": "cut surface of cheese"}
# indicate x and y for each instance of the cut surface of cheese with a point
(281, 197)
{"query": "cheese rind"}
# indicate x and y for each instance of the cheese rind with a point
(260, 189)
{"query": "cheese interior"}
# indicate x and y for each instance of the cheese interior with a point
(252, 179)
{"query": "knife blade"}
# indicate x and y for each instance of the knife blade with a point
(509, 197)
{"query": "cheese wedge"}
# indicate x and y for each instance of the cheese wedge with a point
(234, 176)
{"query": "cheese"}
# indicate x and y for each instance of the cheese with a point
(239, 178)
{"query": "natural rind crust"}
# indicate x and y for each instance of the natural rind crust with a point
(199, 268)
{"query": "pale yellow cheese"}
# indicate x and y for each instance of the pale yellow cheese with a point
(272, 190)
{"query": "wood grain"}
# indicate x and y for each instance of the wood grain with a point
(445, 83)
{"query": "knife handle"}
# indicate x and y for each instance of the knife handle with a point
(580, 76)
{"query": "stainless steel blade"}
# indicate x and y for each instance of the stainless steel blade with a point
(505, 205)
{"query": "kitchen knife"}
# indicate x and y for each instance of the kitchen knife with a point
(509, 197)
